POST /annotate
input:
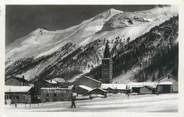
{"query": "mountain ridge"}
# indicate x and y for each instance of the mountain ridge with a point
(77, 50)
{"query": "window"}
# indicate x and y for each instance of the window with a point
(24, 97)
(47, 95)
(55, 94)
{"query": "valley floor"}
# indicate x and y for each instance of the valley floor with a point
(115, 102)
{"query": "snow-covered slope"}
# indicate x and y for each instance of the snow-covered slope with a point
(43, 42)
(80, 47)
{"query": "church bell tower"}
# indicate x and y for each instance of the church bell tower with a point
(107, 65)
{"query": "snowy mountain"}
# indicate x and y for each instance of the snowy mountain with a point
(78, 50)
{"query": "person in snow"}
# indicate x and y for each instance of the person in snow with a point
(127, 91)
(73, 98)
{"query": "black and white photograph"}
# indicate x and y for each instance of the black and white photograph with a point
(91, 58)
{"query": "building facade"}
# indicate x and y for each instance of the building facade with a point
(107, 70)
(164, 87)
(18, 94)
(39, 83)
(55, 94)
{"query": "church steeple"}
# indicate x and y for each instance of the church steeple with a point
(107, 65)
(107, 51)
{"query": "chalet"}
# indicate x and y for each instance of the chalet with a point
(167, 84)
(164, 87)
(39, 83)
(142, 87)
(49, 94)
(88, 86)
(18, 94)
(16, 81)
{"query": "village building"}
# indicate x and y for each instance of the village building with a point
(114, 88)
(61, 82)
(147, 90)
(168, 84)
(86, 85)
(87, 81)
(16, 81)
(49, 94)
(164, 87)
(97, 92)
(142, 87)
(39, 83)
(82, 89)
(18, 94)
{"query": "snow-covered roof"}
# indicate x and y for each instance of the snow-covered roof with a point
(167, 79)
(142, 84)
(70, 86)
(20, 79)
(58, 80)
(51, 81)
(50, 88)
(165, 83)
(9, 88)
(85, 87)
(113, 86)
(96, 91)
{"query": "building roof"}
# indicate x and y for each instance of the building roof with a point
(92, 79)
(51, 81)
(142, 84)
(96, 91)
(169, 77)
(87, 77)
(14, 89)
(113, 86)
(50, 88)
(60, 80)
(167, 80)
(165, 83)
(85, 87)
(40, 80)
(17, 78)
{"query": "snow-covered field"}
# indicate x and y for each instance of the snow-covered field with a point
(115, 102)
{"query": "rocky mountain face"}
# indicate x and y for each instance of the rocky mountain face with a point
(143, 46)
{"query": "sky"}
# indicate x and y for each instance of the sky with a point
(23, 19)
